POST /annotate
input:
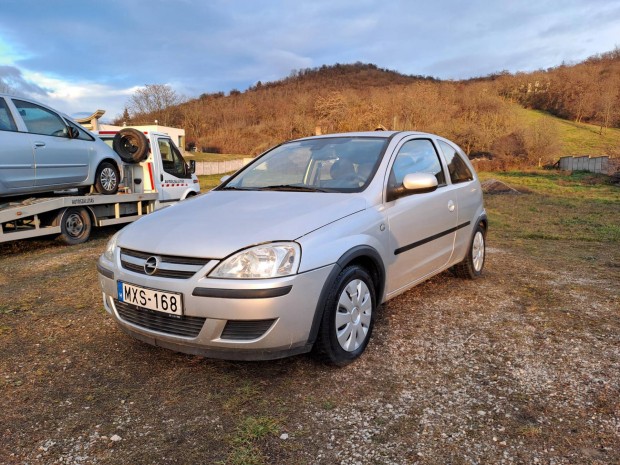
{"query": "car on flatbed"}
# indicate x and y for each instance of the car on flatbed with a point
(296, 251)
(155, 176)
(43, 150)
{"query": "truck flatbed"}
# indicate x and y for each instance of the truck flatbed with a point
(26, 218)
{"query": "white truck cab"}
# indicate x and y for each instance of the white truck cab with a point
(164, 170)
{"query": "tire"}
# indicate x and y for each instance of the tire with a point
(75, 226)
(348, 317)
(471, 267)
(107, 178)
(131, 145)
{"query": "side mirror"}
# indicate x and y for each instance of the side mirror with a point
(418, 183)
(73, 133)
(414, 183)
(192, 166)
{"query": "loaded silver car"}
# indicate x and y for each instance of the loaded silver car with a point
(42, 150)
(296, 251)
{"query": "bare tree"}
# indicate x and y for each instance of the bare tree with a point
(155, 100)
(606, 105)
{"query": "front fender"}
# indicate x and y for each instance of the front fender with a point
(328, 244)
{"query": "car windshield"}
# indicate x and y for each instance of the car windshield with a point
(332, 164)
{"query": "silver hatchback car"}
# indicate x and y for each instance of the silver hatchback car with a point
(297, 251)
(42, 150)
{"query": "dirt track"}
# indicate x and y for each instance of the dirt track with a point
(521, 366)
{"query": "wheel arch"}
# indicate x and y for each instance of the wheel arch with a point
(363, 255)
(188, 194)
(109, 160)
(482, 219)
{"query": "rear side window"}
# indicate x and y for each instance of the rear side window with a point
(40, 120)
(459, 172)
(416, 156)
(6, 120)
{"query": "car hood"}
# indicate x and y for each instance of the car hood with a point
(219, 223)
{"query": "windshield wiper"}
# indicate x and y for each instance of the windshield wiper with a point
(290, 187)
(234, 188)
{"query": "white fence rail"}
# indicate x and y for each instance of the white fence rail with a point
(604, 165)
(220, 167)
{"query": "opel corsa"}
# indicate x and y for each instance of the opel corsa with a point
(297, 251)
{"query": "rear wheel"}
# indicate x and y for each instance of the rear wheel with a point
(471, 267)
(348, 317)
(107, 178)
(75, 226)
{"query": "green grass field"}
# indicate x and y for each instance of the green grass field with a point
(210, 181)
(555, 206)
(576, 138)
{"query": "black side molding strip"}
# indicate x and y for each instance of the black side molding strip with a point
(105, 272)
(429, 239)
(241, 293)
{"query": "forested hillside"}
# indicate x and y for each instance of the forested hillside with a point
(485, 115)
(585, 92)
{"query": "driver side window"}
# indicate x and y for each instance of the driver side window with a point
(172, 161)
(39, 120)
(416, 156)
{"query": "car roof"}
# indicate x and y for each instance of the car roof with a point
(375, 134)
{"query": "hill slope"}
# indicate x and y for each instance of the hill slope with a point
(485, 116)
(577, 139)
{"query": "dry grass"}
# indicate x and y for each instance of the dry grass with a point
(521, 366)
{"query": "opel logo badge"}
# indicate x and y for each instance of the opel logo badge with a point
(150, 265)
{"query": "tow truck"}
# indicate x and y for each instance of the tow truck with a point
(155, 176)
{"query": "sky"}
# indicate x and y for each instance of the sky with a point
(80, 56)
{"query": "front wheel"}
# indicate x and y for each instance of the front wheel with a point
(107, 178)
(348, 317)
(471, 266)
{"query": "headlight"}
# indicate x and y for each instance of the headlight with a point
(263, 261)
(111, 248)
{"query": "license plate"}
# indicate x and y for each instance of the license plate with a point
(153, 299)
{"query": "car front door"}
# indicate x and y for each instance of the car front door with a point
(422, 225)
(16, 154)
(175, 177)
(59, 160)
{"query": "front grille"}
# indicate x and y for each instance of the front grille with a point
(168, 266)
(243, 330)
(187, 326)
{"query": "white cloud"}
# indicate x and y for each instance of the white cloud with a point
(81, 96)
(96, 54)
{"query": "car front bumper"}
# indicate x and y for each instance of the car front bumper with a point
(230, 319)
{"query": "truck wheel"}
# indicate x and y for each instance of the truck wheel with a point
(348, 317)
(75, 226)
(106, 178)
(131, 145)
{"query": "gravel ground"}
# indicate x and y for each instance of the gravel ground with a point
(521, 366)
